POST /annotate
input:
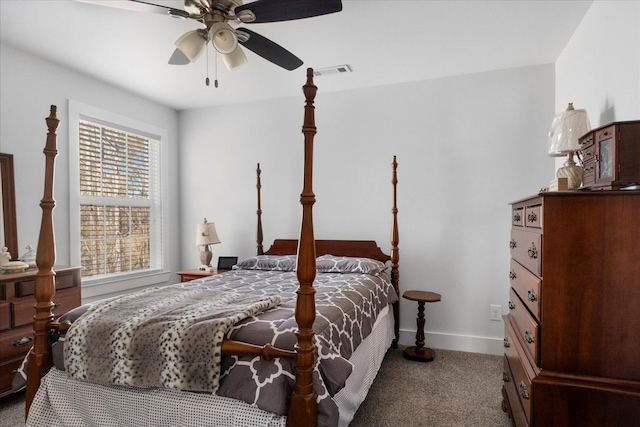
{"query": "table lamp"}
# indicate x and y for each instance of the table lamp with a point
(206, 235)
(566, 129)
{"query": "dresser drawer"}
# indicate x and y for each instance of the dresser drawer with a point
(517, 217)
(527, 286)
(5, 316)
(27, 287)
(510, 389)
(533, 216)
(525, 248)
(509, 339)
(15, 343)
(526, 328)
(7, 372)
(521, 379)
(23, 311)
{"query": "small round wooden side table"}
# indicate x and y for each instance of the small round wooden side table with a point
(419, 352)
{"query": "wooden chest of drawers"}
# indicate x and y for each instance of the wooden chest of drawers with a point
(16, 314)
(572, 336)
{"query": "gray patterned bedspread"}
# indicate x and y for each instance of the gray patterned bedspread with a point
(349, 295)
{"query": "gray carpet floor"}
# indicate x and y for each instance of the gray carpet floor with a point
(457, 389)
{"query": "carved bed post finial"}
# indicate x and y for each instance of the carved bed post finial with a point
(395, 252)
(259, 237)
(303, 410)
(40, 360)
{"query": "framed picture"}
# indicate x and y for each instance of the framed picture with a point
(227, 262)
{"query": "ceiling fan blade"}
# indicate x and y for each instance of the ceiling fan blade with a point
(287, 10)
(267, 49)
(139, 6)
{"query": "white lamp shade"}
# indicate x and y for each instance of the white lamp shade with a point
(234, 59)
(192, 44)
(179, 58)
(206, 234)
(223, 37)
(567, 127)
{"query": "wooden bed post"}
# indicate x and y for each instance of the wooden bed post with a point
(40, 360)
(303, 411)
(259, 237)
(395, 253)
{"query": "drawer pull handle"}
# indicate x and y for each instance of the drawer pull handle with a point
(512, 275)
(528, 336)
(516, 217)
(523, 391)
(512, 244)
(532, 217)
(511, 305)
(531, 294)
(22, 341)
(506, 343)
(532, 252)
(505, 377)
(56, 305)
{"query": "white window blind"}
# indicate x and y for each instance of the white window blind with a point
(120, 212)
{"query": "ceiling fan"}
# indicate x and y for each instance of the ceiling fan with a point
(216, 17)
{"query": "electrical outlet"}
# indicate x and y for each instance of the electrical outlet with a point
(495, 312)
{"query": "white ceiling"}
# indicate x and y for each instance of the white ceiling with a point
(385, 42)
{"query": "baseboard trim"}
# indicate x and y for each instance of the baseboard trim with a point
(469, 343)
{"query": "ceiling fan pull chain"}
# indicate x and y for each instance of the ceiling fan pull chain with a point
(215, 64)
(207, 79)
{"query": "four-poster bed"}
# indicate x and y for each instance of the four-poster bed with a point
(361, 267)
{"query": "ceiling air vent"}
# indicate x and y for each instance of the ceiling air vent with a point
(336, 69)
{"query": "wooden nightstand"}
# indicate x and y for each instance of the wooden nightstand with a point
(189, 275)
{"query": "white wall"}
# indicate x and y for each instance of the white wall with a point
(29, 86)
(599, 69)
(466, 147)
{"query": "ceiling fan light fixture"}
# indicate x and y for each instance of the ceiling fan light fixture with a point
(223, 37)
(234, 59)
(246, 16)
(192, 44)
(179, 58)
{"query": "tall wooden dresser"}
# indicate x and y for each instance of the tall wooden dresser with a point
(572, 335)
(16, 314)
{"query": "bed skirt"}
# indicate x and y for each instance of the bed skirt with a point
(62, 401)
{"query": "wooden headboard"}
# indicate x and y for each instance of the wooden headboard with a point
(350, 248)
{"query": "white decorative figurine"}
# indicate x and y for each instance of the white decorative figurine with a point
(5, 256)
(30, 256)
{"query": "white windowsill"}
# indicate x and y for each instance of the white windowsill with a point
(99, 288)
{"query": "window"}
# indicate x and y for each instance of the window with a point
(118, 209)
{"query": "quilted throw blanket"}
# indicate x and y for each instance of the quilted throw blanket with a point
(161, 337)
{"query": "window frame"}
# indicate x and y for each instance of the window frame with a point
(116, 282)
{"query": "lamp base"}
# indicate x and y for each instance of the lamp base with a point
(572, 172)
(205, 258)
